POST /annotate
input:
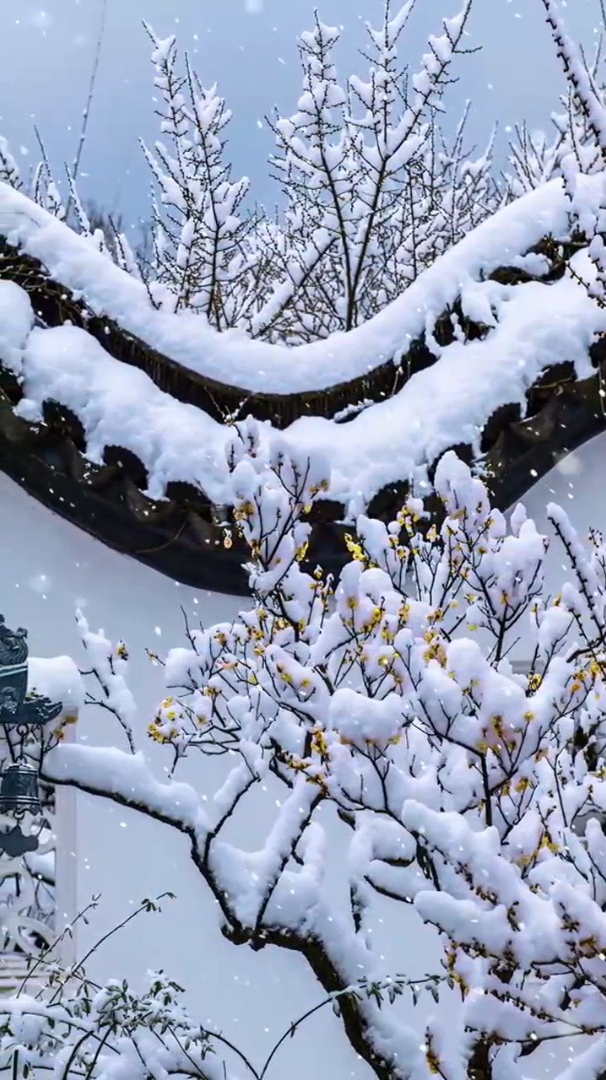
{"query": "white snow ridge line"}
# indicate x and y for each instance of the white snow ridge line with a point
(231, 356)
(538, 326)
(532, 326)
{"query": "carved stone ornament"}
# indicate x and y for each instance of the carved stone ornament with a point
(17, 708)
(15, 842)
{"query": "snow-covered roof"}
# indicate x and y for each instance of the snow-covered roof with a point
(231, 357)
(525, 330)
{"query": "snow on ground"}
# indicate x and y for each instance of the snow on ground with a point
(233, 358)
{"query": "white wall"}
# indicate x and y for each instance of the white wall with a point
(578, 484)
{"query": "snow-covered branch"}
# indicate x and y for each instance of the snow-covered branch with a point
(584, 144)
(464, 791)
(372, 191)
(199, 230)
(61, 1021)
(366, 176)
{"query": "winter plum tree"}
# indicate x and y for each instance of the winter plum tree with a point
(383, 712)
(467, 792)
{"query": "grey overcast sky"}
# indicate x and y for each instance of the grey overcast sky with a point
(249, 48)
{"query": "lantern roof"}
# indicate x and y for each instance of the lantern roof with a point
(116, 413)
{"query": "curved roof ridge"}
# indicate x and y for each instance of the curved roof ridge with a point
(535, 327)
(516, 377)
(231, 358)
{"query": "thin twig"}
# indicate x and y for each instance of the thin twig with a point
(89, 100)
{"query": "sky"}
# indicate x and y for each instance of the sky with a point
(249, 48)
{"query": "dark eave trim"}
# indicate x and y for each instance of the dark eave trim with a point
(177, 537)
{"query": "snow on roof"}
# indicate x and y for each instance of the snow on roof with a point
(233, 358)
(534, 326)
(449, 403)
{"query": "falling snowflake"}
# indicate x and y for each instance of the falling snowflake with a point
(40, 19)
